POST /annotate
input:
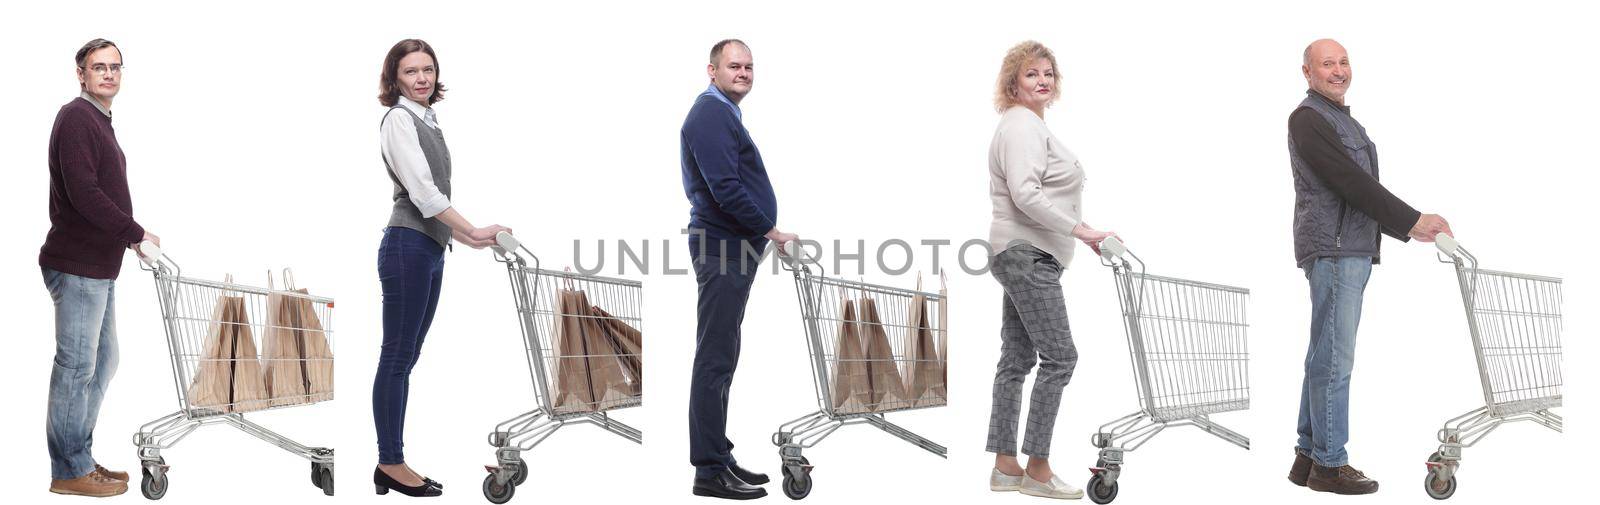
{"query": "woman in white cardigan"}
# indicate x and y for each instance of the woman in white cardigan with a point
(1036, 186)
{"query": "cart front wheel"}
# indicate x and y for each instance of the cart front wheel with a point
(495, 492)
(1099, 492)
(519, 472)
(1439, 489)
(152, 486)
(796, 488)
(325, 481)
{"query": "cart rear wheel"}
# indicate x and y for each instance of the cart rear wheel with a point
(796, 488)
(325, 481)
(495, 492)
(1439, 489)
(152, 486)
(1099, 492)
(519, 472)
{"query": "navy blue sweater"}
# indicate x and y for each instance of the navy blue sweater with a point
(727, 185)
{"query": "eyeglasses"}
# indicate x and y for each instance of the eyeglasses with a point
(104, 69)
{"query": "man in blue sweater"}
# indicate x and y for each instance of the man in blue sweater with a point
(734, 214)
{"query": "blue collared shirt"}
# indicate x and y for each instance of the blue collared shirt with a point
(712, 90)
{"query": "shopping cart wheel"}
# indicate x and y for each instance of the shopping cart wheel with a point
(519, 472)
(796, 488)
(1099, 492)
(495, 492)
(326, 481)
(153, 486)
(1437, 488)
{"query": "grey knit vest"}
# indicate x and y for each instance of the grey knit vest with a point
(1324, 225)
(405, 213)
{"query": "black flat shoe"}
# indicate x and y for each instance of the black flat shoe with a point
(726, 485)
(431, 482)
(747, 476)
(382, 482)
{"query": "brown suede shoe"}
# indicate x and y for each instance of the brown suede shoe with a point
(92, 484)
(111, 474)
(1301, 470)
(1342, 480)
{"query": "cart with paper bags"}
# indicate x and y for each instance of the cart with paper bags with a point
(874, 350)
(212, 333)
(581, 336)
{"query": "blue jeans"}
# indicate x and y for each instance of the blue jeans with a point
(724, 290)
(86, 358)
(1337, 285)
(411, 268)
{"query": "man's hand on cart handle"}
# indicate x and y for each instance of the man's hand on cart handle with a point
(782, 239)
(148, 237)
(148, 252)
(1428, 226)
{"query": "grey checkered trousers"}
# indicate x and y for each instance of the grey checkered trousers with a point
(1033, 330)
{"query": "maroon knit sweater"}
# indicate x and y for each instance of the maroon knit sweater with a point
(91, 215)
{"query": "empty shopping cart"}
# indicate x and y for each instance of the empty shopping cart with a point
(1515, 323)
(195, 313)
(1187, 343)
(581, 336)
(874, 350)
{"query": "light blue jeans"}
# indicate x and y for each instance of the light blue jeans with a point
(1337, 285)
(86, 358)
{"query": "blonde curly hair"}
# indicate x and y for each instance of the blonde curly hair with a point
(1020, 55)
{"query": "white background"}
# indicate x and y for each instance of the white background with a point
(251, 136)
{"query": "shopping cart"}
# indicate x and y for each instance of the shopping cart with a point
(1515, 322)
(552, 307)
(189, 311)
(899, 317)
(1187, 343)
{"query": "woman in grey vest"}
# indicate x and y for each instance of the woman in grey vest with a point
(1036, 188)
(411, 257)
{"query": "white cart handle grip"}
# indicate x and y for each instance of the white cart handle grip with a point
(506, 242)
(149, 253)
(794, 254)
(1446, 244)
(1111, 248)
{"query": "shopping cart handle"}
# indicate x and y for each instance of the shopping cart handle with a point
(1111, 248)
(149, 253)
(505, 242)
(1446, 244)
(794, 254)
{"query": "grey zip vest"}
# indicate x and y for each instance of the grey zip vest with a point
(405, 213)
(1324, 225)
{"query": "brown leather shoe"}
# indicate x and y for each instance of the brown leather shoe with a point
(1301, 470)
(92, 484)
(111, 474)
(1342, 480)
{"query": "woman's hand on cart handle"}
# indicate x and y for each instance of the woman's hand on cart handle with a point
(479, 238)
(1428, 226)
(1091, 236)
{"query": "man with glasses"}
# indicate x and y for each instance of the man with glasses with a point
(91, 223)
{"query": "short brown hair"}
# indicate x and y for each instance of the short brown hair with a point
(388, 91)
(1019, 55)
(716, 49)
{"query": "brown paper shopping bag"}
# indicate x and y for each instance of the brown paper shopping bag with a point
(924, 368)
(284, 369)
(888, 388)
(316, 355)
(228, 378)
(851, 387)
(588, 375)
(626, 343)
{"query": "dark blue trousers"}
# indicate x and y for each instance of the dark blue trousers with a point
(724, 289)
(411, 268)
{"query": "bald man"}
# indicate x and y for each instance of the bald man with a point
(1340, 210)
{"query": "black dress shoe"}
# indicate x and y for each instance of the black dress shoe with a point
(749, 477)
(431, 482)
(728, 486)
(382, 482)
